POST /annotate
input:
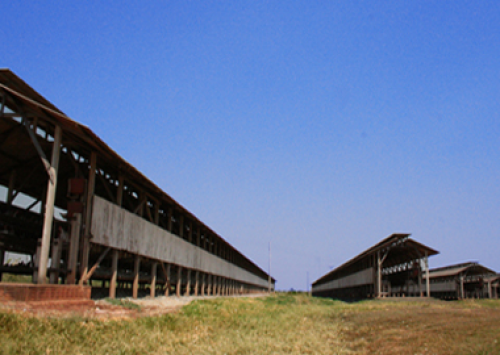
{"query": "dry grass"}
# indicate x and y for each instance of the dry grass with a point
(276, 325)
(470, 327)
(282, 324)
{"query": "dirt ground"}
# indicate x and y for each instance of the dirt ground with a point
(432, 327)
(101, 309)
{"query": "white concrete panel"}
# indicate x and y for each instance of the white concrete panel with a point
(363, 277)
(117, 228)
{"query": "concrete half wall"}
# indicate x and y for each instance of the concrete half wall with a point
(363, 277)
(120, 229)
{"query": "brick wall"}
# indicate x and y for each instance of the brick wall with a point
(29, 292)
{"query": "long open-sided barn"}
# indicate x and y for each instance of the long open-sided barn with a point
(393, 267)
(116, 226)
(465, 280)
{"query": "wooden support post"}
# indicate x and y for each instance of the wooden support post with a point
(209, 285)
(420, 278)
(181, 226)
(74, 244)
(203, 276)
(462, 295)
(157, 213)
(49, 207)
(119, 194)
(114, 274)
(166, 275)
(2, 260)
(380, 262)
(168, 286)
(196, 282)
(89, 274)
(36, 259)
(55, 261)
(190, 233)
(379, 276)
(427, 281)
(152, 288)
(188, 283)
(169, 219)
(489, 290)
(11, 187)
(137, 267)
(88, 217)
(142, 199)
(179, 279)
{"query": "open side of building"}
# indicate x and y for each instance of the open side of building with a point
(83, 215)
(464, 280)
(393, 267)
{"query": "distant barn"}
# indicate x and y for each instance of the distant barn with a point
(396, 266)
(465, 280)
(82, 214)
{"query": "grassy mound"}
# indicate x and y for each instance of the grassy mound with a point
(279, 324)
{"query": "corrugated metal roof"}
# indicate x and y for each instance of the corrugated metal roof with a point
(8, 78)
(471, 268)
(445, 273)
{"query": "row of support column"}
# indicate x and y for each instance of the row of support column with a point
(204, 284)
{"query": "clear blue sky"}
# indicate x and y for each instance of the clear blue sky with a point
(319, 126)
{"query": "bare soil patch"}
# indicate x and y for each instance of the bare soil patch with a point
(102, 309)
